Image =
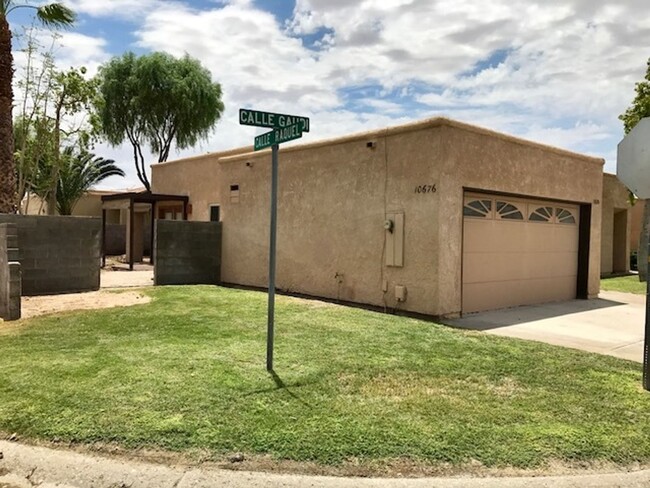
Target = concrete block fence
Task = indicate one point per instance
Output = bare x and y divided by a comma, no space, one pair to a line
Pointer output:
57,254
10,276
187,253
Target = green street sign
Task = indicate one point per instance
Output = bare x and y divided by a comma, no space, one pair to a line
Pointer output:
278,136
285,128
269,119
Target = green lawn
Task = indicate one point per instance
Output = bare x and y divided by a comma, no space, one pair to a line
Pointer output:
625,284
186,373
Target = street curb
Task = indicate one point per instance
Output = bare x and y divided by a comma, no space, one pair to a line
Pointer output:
53,468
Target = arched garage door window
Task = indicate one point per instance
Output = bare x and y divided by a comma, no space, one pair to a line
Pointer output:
509,211
478,208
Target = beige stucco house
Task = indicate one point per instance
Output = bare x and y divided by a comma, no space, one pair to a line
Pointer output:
436,217
617,223
89,205
637,225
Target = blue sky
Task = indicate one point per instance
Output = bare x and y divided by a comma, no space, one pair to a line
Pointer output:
555,72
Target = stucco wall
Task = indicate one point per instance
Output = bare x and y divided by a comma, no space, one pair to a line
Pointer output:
198,177
334,197
614,246
636,224
89,205
333,201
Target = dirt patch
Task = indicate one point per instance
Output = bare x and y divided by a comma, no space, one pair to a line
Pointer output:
34,306
408,468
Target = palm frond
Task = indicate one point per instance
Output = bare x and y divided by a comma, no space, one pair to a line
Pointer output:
4,7
77,174
55,15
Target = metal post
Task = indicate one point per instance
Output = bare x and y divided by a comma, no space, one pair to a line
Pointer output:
131,230
103,237
273,235
646,342
153,228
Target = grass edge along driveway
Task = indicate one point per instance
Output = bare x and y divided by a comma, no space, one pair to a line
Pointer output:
624,284
186,373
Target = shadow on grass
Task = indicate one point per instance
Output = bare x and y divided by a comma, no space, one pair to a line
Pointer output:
281,385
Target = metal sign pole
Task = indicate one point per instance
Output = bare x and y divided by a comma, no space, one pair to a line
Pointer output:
273,236
646,341
284,128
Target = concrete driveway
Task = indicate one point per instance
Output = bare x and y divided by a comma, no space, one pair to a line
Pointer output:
613,324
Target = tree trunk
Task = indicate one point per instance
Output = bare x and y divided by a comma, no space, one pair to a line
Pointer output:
7,167
642,254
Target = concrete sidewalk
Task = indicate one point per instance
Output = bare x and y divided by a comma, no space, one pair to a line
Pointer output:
26,467
613,324
126,279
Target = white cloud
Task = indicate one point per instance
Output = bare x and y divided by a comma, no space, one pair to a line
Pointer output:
118,8
80,50
566,71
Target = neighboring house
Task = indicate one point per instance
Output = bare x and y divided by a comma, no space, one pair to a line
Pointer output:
616,226
437,217
636,225
89,205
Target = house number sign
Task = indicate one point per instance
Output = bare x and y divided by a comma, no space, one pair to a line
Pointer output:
426,189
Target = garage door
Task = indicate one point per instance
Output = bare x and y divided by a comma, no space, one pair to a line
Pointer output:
517,252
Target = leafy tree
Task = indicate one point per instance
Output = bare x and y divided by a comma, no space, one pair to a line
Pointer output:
35,151
157,100
78,172
72,94
53,108
52,15
33,129
639,109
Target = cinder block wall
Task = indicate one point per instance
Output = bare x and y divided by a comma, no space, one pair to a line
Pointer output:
9,273
115,242
187,253
57,254
116,239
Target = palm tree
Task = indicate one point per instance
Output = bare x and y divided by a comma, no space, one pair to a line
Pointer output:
77,174
50,15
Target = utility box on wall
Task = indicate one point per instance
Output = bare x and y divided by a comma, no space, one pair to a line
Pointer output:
394,225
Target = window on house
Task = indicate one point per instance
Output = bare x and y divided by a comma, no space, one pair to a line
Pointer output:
541,214
564,216
234,193
477,208
214,213
508,211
